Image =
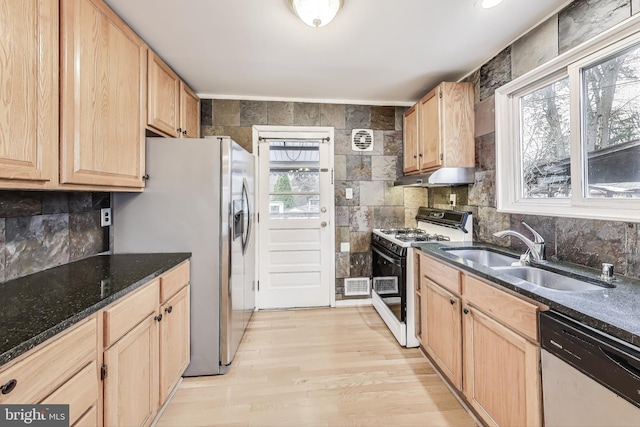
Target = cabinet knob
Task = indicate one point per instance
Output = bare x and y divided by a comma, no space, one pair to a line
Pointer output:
415,157
158,318
9,386
465,311
179,130
452,301
184,132
420,154
169,309
145,176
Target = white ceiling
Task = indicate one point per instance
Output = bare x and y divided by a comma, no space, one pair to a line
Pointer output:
385,52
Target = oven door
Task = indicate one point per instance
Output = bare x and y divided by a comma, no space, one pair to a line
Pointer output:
389,280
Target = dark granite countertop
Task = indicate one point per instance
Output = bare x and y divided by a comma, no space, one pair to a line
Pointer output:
612,310
36,307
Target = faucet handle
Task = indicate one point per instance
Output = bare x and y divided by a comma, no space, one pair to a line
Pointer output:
537,237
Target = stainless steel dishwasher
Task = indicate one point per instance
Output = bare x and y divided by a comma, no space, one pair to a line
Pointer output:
589,378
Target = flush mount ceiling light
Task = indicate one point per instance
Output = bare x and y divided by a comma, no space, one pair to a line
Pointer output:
490,3
316,13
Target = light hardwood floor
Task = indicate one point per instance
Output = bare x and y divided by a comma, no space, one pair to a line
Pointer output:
325,367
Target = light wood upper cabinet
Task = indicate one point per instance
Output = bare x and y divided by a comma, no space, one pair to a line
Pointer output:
410,134
29,82
445,121
103,77
163,97
430,149
174,109
189,112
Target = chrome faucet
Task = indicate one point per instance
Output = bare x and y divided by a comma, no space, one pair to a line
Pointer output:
536,248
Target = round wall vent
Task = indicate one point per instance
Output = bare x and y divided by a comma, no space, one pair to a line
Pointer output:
362,140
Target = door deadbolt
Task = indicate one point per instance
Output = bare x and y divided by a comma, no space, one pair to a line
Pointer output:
323,210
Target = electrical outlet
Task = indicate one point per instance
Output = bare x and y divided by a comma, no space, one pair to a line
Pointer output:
453,198
105,217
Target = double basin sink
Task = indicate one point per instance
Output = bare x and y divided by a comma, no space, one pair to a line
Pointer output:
536,275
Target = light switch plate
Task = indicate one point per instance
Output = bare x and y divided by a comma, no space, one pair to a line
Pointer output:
348,193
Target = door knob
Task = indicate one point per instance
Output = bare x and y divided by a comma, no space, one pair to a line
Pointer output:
323,210
323,224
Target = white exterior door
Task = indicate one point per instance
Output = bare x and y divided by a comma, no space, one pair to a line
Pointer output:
296,216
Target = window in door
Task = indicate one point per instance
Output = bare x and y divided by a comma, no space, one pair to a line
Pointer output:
294,179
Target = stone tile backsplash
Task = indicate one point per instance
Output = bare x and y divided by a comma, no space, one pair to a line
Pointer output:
376,202
583,241
40,230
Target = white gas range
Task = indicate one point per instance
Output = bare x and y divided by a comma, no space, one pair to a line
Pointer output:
393,265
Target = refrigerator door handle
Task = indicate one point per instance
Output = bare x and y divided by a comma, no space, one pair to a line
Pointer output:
247,217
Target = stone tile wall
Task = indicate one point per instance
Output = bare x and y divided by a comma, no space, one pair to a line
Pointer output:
375,204
40,230
583,241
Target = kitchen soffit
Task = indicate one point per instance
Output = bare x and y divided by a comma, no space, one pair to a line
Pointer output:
374,52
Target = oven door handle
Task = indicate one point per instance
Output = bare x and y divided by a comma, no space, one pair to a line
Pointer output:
394,261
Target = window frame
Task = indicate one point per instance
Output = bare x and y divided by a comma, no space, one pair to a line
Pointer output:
509,187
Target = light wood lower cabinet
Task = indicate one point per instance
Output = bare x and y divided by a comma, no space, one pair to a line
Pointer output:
131,384
174,341
502,381
484,340
81,393
116,367
444,339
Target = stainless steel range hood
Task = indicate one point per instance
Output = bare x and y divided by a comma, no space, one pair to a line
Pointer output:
443,177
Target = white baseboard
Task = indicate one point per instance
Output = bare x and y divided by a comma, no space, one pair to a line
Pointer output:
353,302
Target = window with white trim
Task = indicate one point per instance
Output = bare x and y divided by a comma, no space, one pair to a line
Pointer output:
568,132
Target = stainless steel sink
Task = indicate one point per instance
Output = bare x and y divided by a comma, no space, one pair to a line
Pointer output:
549,279
483,257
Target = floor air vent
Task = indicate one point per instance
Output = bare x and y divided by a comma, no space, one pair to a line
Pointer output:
356,286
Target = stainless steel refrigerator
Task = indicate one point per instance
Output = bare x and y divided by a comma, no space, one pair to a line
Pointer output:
199,198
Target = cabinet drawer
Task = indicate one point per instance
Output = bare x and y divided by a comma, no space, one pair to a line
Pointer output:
51,365
173,280
442,274
512,311
80,392
125,315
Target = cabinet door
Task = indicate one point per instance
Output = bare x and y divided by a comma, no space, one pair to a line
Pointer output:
174,341
103,85
411,140
131,385
29,82
444,331
430,150
457,119
189,112
163,97
81,394
502,382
